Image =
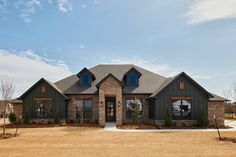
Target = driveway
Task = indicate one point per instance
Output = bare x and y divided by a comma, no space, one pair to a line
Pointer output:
1,121
112,127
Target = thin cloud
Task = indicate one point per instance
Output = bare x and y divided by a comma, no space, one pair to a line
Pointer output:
162,69
27,8
24,68
208,10
64,5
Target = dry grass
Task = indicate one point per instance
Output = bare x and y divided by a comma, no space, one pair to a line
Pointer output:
87,142
230,116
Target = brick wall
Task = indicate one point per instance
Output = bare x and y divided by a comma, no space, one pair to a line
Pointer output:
216,108
71,106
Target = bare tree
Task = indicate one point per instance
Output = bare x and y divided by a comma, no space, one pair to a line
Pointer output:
6,92
228,95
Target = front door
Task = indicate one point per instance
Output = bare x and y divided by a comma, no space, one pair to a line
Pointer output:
110,109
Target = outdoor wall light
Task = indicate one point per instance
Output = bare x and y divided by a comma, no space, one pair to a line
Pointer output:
119,103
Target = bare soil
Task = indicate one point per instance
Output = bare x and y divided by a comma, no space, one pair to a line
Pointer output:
70,141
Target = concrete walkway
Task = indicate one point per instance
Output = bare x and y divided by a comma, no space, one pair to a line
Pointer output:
112,127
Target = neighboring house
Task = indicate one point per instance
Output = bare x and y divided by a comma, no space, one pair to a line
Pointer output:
105,93
9,108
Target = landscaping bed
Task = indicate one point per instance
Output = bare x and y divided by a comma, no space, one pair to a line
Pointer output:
33,125
152,126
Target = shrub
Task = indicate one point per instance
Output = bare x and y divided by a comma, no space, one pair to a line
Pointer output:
202,119
12,118
168,119
136,113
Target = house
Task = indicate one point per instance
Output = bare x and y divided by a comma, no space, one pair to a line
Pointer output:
105,93
9,108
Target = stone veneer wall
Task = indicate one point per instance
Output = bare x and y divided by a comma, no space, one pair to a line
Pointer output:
71,107
143,98
216,108
110,87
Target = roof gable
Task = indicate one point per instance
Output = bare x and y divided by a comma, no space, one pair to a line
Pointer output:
105,78
37,83
135,70
169,81
86,70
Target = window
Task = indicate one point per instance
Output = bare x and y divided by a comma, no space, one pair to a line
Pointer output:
85,80
79,109
131,106
181,85
88,109
133,79
43,109
181,110
84,106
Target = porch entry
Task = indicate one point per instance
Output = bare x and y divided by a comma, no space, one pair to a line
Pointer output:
110,103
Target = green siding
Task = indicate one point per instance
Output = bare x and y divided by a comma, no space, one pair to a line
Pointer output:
58,102
163,99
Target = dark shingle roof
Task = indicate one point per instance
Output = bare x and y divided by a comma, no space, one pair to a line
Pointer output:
217,98
148,82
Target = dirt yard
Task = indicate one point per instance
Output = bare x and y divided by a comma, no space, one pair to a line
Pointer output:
88,142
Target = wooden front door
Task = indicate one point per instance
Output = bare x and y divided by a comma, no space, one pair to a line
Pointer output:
110,109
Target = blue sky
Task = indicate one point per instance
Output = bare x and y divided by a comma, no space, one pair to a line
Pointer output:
55,38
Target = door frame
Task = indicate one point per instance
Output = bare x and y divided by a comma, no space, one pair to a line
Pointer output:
110,98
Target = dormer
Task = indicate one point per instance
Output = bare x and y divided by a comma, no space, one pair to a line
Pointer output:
86,77
131,78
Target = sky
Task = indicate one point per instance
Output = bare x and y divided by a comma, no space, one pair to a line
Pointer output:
56,38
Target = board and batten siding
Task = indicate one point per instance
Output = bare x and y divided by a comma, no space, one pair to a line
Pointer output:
58,101
163,99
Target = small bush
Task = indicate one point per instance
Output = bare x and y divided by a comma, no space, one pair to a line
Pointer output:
202,119
12,118
168,119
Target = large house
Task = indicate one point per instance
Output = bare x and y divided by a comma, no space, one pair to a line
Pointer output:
106,93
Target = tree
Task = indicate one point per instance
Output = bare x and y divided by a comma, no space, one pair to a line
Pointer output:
135,111
6,92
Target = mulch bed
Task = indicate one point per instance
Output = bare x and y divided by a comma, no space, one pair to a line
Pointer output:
151,126
52,125
137,126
